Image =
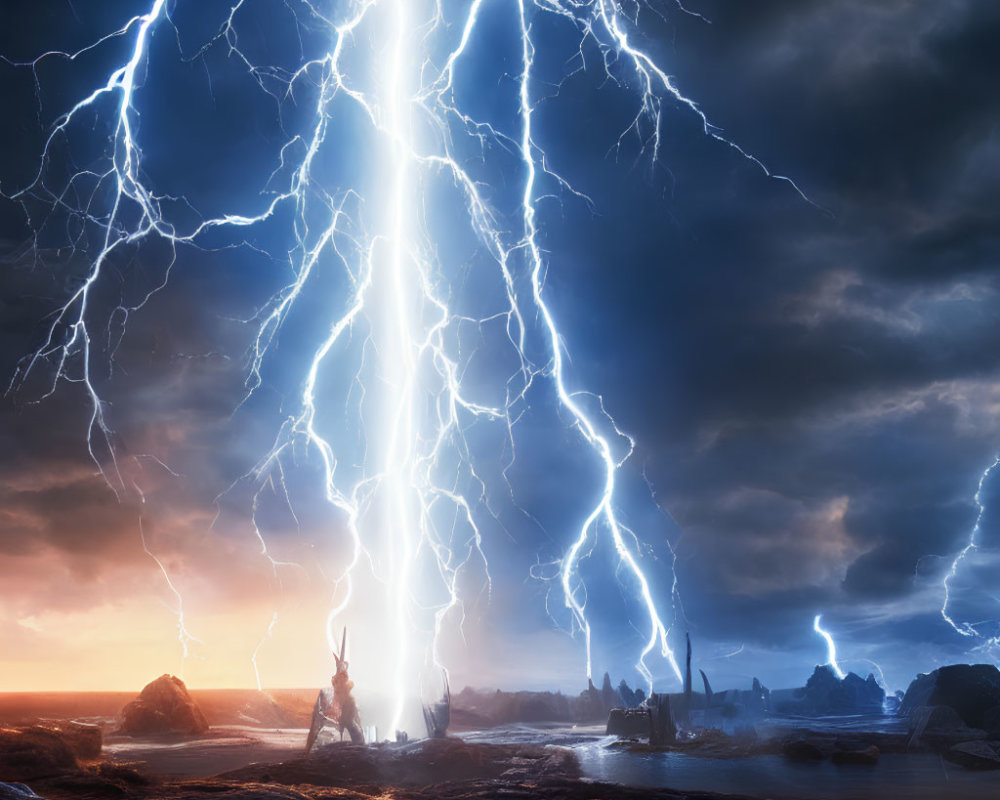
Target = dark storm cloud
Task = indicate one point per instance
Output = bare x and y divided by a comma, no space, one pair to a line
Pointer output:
814,394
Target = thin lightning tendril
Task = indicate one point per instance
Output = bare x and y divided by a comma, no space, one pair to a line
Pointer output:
965,628
397,305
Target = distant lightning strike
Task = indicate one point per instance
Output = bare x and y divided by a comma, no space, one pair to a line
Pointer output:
408,393
965,628
831,648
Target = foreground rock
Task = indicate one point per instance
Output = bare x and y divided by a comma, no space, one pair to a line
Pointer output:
975,755
163,706
35,752
971,690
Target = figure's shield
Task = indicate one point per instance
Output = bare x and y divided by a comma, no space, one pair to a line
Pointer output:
323,701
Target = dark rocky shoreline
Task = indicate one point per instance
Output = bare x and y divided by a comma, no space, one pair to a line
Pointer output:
445,768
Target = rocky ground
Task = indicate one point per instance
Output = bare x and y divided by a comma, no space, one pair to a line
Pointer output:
166,747
449,769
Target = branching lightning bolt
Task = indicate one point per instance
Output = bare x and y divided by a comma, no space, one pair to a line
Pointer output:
408,394
965,628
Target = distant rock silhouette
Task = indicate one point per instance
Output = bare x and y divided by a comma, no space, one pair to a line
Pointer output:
825,693
629,698
163,706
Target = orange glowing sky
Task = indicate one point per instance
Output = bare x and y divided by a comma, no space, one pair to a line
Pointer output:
83,607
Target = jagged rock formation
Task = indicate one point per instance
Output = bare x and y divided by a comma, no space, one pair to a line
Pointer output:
609,697
163,706
629,698
825,693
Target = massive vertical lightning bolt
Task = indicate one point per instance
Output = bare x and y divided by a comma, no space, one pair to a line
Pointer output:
831,648
399,467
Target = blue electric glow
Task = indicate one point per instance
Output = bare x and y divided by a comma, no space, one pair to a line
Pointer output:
394,329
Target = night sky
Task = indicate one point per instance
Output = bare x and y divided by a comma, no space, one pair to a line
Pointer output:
812,383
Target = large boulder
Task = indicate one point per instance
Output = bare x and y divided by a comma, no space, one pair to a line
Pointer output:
629,723
163,706
971,690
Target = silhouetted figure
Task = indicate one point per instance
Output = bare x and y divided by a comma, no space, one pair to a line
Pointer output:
345,710
337,705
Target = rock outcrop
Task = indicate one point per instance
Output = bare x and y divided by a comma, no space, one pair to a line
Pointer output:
36,752
630,699
163,706
825,693
972,690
